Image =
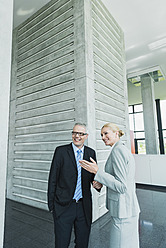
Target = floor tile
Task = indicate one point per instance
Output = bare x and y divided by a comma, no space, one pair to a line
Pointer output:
28,227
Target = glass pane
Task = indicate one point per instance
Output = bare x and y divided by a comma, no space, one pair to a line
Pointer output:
131,122
140,135
165,144
130,109
141,147
138,108
163,113
164,134
139,123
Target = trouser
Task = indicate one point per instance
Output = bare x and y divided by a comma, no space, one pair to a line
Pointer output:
74,215
124,232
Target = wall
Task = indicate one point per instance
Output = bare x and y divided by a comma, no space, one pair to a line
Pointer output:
68,66
47,56
150,169
6,14
111,100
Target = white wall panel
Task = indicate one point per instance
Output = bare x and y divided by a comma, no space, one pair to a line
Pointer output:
150,169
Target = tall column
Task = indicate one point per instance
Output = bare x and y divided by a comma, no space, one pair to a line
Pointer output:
149,113
6,17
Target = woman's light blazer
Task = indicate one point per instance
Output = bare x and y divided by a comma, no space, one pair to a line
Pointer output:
119,177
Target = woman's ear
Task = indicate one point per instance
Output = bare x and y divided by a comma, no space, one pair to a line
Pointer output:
117,133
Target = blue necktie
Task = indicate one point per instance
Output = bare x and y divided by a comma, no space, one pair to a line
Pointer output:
78,190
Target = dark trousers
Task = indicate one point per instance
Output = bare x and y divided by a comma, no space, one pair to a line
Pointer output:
74,215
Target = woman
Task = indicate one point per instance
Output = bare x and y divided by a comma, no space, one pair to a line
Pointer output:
119,177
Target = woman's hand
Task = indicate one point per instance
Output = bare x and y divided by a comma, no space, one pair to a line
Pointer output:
89,166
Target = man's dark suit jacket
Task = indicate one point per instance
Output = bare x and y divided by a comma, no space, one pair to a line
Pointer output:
63,179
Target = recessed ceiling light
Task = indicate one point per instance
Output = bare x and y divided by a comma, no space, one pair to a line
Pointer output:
22,12
157,44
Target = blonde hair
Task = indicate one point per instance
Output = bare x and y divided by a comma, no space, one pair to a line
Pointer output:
114,128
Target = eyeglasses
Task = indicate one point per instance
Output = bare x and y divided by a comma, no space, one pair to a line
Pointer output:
79,134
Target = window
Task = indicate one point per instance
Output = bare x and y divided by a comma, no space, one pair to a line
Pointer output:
137,125
141,146
163,113
163,118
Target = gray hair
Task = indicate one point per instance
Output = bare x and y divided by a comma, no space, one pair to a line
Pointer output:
80,124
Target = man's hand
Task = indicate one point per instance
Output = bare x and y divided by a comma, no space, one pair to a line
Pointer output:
97,185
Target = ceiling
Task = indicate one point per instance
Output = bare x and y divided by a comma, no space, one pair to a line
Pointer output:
143,23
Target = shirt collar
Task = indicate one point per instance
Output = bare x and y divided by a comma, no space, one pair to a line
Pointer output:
75,148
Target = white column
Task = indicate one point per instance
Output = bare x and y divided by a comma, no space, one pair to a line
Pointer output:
6,22
149,113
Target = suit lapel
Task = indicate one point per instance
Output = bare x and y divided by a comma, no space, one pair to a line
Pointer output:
71,155
85,157
116,144
108,165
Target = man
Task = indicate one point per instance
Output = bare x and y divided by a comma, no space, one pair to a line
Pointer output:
69,194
